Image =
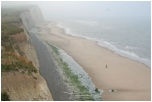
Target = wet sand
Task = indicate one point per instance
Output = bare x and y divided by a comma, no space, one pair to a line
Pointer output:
130,80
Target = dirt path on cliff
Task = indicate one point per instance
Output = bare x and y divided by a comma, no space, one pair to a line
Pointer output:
49,71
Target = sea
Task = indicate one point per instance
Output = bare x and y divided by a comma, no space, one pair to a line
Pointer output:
127,37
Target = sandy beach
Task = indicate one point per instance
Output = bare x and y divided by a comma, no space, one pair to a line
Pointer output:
129,79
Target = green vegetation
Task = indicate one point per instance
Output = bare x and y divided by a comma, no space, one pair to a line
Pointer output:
12,61
81,90
4,96
10,28
55,49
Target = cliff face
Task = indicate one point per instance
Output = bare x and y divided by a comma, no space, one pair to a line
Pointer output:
29,50
19,84
32,17
22,87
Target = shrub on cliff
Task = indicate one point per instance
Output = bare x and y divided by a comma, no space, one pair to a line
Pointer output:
13,61
4,96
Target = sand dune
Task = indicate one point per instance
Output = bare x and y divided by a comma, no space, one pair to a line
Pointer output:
131,80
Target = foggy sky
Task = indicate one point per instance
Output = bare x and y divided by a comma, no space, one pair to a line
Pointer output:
91,9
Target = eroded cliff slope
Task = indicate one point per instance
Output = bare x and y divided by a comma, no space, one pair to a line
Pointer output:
20,77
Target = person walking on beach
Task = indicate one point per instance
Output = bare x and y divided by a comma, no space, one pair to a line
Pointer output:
106,66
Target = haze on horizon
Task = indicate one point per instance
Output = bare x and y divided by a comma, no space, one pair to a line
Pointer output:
90,9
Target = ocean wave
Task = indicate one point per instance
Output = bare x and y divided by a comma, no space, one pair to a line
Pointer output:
115,49
67,30
90,23
129,47
110,46
128,54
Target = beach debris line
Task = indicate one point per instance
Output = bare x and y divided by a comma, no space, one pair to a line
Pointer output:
112,90
96,90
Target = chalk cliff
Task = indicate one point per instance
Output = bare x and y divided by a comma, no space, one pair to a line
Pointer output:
32,17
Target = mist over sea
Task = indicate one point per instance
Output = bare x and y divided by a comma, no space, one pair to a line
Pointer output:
128,37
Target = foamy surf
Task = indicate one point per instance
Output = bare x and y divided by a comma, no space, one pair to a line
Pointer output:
101,42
